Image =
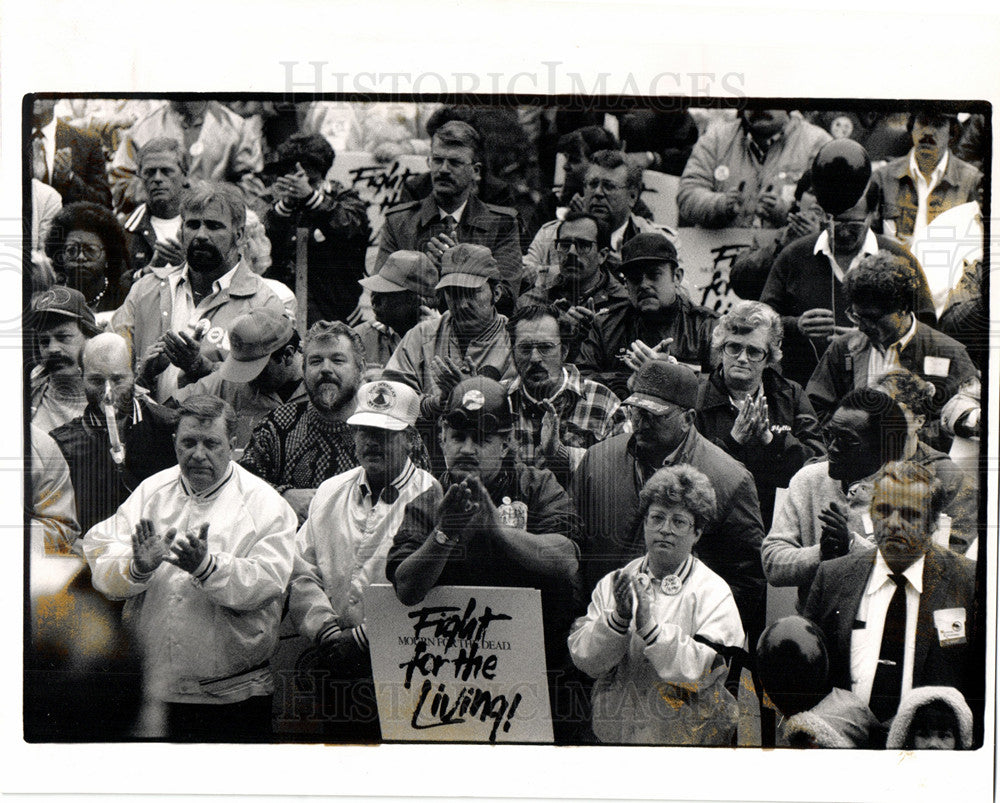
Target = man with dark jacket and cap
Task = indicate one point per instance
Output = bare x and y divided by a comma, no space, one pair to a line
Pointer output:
492,522
658,319
606,489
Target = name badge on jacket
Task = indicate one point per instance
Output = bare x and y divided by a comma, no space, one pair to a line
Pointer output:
950,624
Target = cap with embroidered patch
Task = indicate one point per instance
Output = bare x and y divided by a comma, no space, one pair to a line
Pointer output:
62,302
479,403
386,405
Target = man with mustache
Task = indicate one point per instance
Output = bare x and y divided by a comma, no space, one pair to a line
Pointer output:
102,478
453,213
557,413
904,613
930,179
494,522
302,443
342,549
62,323
657,320
178,320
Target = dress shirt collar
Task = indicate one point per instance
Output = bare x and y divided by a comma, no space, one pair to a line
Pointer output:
904,340
457,214
881,571
936,174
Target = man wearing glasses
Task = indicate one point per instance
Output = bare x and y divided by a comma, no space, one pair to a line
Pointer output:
558,415
607,483
880,294
453,213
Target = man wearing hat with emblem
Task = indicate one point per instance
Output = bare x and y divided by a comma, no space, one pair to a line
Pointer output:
62,323
435,355
262,371
606,489
342,547
658,319
402,295
493,522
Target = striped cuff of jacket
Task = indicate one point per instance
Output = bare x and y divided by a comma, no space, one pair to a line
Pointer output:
651,633
360,636
206,569
327,632
135,576
616,623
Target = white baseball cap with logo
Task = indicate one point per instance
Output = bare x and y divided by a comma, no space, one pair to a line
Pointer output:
386,405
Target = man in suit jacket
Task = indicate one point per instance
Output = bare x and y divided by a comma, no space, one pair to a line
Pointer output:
452,213
850,601
69,160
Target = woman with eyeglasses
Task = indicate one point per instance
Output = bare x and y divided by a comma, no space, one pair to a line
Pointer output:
749,409
659,631
87,247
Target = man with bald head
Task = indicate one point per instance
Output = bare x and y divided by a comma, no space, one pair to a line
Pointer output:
122,438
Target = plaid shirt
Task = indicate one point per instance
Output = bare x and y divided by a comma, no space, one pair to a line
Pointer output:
588,413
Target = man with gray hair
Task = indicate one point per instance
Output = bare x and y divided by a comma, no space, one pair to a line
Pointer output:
302,443
154,227
178,321
453,213
203,553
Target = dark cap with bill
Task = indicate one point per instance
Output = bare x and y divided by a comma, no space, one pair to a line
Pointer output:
648,248
62,302
404,270
661,383
253,338
468,265
479,403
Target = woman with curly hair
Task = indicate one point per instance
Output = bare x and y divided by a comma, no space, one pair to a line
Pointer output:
658,631
87,247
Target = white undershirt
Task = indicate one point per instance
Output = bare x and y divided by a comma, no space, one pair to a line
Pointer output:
166,228
866,642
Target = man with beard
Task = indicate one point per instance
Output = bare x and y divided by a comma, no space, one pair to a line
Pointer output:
302,443
471,336
154,227
584,287
402,295
62,323
557,413
262,372
106,466
657,320
178,320
744,171
606,489
806,284
453,214
825,513
342,548
499,523
929,180
611,190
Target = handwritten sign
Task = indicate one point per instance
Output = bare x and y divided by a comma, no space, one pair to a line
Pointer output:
465,665
707,255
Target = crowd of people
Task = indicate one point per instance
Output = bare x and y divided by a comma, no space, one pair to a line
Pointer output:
508,384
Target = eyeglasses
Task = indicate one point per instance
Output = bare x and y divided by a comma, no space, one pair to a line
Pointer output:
454,164
563,244
754,354
545,348
845,437
89,252
872,319
639,415
678,524
595,184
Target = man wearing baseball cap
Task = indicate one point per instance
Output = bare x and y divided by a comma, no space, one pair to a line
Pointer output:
402,295
658,319
62,323
262,371
435,355
606,489
341,550
496,523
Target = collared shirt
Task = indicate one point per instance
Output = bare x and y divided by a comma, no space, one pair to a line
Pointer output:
49,141
457,214
184,316
924,190
883,360
823,247
617,236
866,642
588,412
166,228
341,549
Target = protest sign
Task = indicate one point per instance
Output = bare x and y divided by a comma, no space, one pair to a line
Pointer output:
467,664
707,255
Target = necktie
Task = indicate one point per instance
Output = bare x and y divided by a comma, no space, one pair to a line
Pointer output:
450,224
888,681
39,164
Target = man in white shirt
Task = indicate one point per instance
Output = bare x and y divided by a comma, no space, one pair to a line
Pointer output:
154,227
902,615
69,160
342,547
